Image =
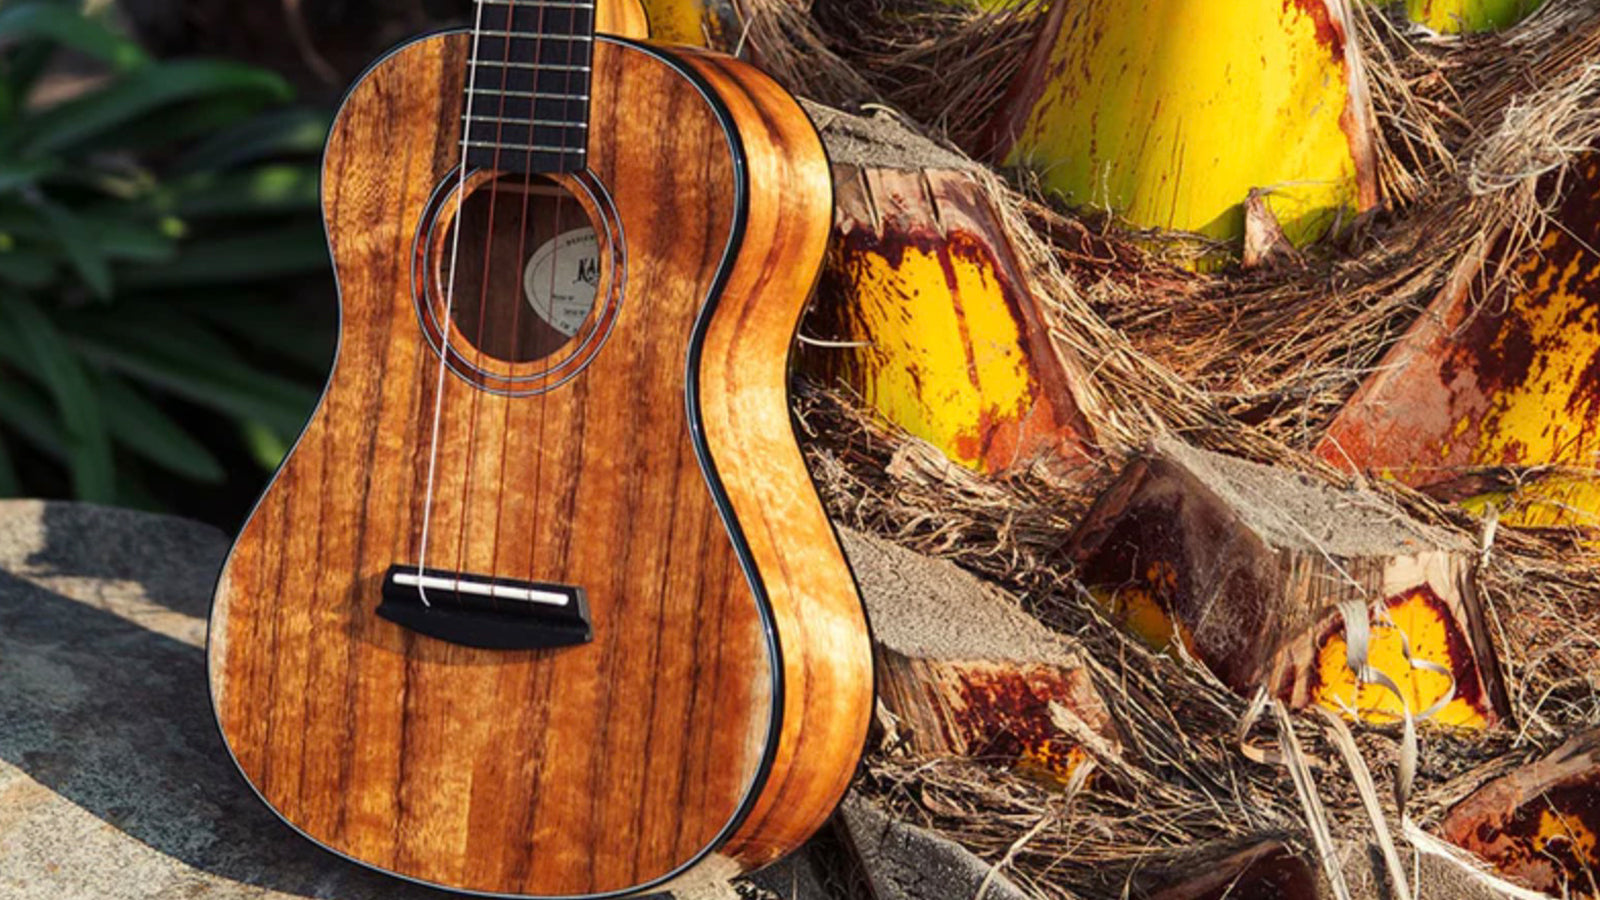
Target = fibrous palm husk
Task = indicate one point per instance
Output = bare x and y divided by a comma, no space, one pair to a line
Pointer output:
1252,363
943,63
1181,781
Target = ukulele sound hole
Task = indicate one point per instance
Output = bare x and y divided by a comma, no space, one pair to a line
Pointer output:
527,270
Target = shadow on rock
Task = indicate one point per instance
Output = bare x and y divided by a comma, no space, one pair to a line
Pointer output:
110,713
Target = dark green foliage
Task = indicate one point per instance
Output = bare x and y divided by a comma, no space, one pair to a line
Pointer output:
143,219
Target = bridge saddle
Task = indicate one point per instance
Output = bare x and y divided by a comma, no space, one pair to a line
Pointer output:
484,612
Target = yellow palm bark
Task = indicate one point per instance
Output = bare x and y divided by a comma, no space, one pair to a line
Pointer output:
697,23
935,329
1469,16
1168,112
1510,380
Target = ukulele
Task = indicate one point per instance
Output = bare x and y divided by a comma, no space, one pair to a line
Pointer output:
543,602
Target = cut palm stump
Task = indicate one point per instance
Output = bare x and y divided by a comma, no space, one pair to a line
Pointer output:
1469,16
1245,567
963,671
1541,823
924,312
1140,110
1480,389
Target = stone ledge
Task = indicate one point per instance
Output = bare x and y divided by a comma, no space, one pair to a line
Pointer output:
114,783
113,780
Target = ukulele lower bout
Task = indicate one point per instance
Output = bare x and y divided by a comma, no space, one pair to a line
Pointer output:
552,609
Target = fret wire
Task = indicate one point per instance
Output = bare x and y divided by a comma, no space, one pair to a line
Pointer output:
535,4
539,67
536,148
534,36
469,117
576,30
535,95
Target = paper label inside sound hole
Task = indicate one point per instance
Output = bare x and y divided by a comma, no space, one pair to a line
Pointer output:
562,278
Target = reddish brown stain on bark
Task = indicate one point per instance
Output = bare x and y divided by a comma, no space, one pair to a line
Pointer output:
1007,717
995,438
1548,840
1330,33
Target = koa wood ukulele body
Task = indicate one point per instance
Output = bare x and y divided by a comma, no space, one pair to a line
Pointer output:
543,602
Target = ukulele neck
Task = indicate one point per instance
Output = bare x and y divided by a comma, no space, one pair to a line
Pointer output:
527,104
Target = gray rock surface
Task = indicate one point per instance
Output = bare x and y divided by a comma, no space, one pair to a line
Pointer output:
114,783
878,140
822,870
113,780
1295,509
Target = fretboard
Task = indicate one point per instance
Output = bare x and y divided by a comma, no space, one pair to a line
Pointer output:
528,85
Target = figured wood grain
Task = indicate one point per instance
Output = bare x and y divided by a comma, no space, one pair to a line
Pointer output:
584,770
623,18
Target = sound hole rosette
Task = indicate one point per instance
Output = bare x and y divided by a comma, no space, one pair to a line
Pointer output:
431,269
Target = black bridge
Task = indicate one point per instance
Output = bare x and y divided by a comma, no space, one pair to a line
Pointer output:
490,613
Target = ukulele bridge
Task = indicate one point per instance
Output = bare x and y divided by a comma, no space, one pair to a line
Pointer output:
484,612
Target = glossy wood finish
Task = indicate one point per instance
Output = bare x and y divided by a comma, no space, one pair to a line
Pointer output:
827,657
677,735
623,18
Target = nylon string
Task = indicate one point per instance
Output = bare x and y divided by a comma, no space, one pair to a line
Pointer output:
488,267
516,309
446,325
555,253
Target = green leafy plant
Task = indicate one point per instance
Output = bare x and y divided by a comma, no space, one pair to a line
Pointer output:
150,213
